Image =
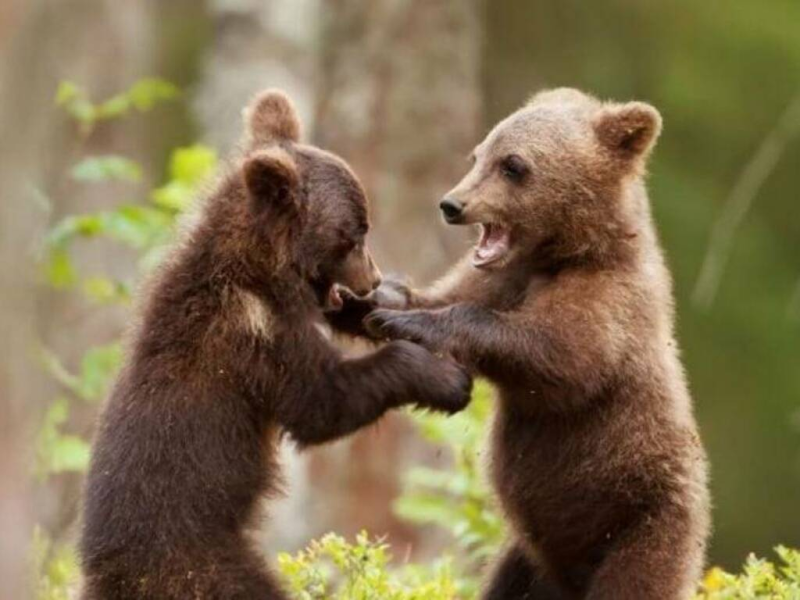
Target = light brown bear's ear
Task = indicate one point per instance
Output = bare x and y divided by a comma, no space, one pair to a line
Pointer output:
271,117
628,130
562,95
272,180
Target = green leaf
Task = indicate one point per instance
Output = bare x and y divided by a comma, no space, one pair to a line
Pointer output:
59,270
142,95
146,93
189,167
141,227
192,164
104,168
69,453
426,508
56,414
115,107
77,225
103,290
74,99
98,366
176,196
67,92
56,452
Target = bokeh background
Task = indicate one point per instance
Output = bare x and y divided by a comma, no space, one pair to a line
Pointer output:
403,89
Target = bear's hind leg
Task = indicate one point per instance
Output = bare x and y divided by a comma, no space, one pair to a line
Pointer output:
659,559
515,577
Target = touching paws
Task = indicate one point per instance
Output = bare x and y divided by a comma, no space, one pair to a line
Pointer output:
385,324
391,293
349,318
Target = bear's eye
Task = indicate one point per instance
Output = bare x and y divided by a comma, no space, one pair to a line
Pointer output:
346,243
514,168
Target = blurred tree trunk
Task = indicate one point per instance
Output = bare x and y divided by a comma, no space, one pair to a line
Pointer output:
397,96
105,46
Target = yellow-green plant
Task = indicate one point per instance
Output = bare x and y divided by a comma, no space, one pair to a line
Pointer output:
55,567
458,498
760,579
334,569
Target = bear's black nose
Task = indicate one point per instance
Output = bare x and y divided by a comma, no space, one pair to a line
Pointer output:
451,209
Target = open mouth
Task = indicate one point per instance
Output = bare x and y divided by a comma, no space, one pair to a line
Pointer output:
494,244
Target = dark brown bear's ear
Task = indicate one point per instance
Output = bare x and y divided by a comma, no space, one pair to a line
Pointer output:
272,180
628,130
270,118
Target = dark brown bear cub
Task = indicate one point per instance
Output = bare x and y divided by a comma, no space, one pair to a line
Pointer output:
228,358
566,305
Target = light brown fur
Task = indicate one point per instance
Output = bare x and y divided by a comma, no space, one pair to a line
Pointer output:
596,458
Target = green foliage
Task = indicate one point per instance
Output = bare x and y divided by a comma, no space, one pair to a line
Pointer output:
104,168
59,270
760,579
333,569
98,366
55,568
457,499
142,96
103,290
188,168
144,227
57,452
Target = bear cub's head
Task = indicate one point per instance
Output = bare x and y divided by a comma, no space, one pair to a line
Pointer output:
308,202
548,182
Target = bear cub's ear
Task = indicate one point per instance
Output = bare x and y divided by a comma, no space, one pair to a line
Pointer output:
629,130
272,179
271,117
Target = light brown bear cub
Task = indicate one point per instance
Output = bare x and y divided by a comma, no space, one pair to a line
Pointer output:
566,305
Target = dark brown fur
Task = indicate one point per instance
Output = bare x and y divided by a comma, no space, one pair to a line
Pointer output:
595,454
228,358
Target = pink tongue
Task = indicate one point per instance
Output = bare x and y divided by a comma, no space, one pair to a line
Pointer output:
493,245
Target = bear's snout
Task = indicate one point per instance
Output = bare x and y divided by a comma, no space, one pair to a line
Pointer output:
452,209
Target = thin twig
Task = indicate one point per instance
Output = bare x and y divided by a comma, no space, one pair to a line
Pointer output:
744,192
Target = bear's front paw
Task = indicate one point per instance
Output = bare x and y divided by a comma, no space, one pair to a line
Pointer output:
453,388
349,317
392,293
384,324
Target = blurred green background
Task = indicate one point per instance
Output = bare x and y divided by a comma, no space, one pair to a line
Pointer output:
403,89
